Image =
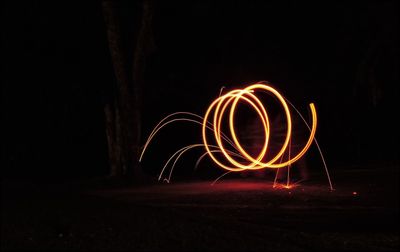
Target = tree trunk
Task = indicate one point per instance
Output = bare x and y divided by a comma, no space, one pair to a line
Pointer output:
123,116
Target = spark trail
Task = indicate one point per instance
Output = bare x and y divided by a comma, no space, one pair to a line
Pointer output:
212,123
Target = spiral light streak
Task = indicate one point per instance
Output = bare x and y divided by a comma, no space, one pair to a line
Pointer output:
225,106
247,95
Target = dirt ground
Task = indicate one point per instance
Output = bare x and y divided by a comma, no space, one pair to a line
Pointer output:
362,213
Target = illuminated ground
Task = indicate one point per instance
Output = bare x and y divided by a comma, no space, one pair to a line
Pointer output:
237,214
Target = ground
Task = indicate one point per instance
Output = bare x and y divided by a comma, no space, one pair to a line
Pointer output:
233,214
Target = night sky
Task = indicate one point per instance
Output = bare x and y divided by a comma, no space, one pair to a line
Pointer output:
57,75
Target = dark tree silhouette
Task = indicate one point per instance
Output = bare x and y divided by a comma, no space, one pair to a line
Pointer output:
130,42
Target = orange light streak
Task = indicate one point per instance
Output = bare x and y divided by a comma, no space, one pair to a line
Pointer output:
225,105
217,110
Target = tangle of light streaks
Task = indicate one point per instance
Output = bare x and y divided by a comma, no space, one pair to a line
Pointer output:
228,102
254,164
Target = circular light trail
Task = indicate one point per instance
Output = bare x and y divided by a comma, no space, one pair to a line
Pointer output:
224,107
228,103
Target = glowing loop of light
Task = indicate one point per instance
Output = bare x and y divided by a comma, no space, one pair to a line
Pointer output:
221,105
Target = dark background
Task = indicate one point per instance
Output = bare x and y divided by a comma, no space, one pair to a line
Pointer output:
57,76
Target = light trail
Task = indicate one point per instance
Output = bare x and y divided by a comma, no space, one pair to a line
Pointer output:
254,164
227,104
